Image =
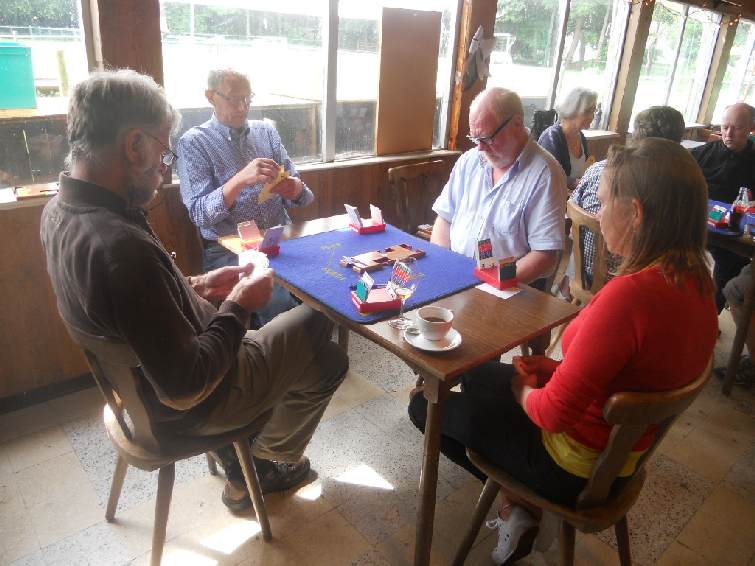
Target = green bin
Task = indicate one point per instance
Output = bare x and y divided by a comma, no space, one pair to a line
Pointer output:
17,84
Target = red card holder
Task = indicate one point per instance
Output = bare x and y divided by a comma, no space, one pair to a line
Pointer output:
379,299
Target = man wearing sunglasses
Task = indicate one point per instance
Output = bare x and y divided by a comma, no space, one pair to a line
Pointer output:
225,162
507,188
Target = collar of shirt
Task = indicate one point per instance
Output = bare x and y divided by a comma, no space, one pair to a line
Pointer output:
77,192
510,172
231,134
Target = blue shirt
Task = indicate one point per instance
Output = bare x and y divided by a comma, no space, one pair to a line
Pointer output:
209,155
523,211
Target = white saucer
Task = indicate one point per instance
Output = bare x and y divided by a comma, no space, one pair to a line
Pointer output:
450,342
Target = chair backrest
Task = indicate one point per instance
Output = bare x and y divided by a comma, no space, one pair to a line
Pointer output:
541,121
630,415
414,189
583,287
118,374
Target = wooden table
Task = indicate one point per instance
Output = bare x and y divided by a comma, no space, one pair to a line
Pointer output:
744,246
489,327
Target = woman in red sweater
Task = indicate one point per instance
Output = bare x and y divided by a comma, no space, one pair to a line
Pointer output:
652,328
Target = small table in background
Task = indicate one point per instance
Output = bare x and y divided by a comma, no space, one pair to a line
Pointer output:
744,246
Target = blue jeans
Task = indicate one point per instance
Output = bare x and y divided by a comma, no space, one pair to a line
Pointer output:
215,256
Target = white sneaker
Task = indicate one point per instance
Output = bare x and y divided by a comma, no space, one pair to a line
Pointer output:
515,536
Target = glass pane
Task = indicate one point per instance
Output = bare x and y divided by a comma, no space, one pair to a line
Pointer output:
694,62
739,79
359,67
279,46
43,55
595,34
660,53
677,58
524,57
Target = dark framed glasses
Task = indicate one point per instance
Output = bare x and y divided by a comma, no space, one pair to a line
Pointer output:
487,140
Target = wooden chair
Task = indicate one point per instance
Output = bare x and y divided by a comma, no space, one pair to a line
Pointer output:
414,189
581,288
138,441
598,506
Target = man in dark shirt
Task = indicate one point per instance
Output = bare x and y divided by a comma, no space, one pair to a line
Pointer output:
204,373
728,164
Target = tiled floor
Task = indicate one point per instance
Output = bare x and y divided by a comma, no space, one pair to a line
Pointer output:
698,506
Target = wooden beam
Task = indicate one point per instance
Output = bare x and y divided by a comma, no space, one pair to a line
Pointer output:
629,68
474,13
717,69
735,8
127,35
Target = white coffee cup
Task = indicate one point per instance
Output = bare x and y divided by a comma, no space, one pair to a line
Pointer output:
434,323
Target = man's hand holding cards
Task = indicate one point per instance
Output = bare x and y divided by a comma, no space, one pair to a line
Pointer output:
284,185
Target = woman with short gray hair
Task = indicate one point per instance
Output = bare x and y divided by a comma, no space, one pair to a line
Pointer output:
565,140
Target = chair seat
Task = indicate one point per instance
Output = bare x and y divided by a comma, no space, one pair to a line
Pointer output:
174,447
589,520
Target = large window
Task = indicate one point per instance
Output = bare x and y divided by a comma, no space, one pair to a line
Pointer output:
359,67
42,55
282,47
677,58
739,80
527,50
595,34
524,58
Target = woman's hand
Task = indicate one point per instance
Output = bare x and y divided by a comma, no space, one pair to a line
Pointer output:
521,386
542,367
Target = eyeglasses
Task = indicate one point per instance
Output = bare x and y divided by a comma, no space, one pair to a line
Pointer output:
487,140
168,156
236,100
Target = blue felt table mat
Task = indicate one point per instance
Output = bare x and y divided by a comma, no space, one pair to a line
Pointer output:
311,263
748,219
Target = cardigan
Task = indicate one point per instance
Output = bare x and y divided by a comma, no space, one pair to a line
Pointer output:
554,140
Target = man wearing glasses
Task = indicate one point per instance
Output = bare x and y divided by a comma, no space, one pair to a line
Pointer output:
224,164
202,372
507,189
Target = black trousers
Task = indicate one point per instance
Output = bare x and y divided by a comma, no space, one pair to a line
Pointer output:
727,266
486,417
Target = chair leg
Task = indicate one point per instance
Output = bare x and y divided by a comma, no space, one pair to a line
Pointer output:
253,485
165,478
343,337
212,465
566,544
121,466
622,538
481,510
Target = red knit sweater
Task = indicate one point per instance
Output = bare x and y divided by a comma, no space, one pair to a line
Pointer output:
639,333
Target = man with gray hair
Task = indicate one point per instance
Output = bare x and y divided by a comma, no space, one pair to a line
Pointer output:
728,164
204,374
654,122
507,189
225,162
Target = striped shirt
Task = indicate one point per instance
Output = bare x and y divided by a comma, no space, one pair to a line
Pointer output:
210,154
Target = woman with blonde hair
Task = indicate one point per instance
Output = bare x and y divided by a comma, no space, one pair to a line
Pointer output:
541,420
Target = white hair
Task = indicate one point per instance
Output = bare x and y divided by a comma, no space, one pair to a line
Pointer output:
576,102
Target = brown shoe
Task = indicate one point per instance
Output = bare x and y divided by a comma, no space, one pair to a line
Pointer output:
235,496
273,475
